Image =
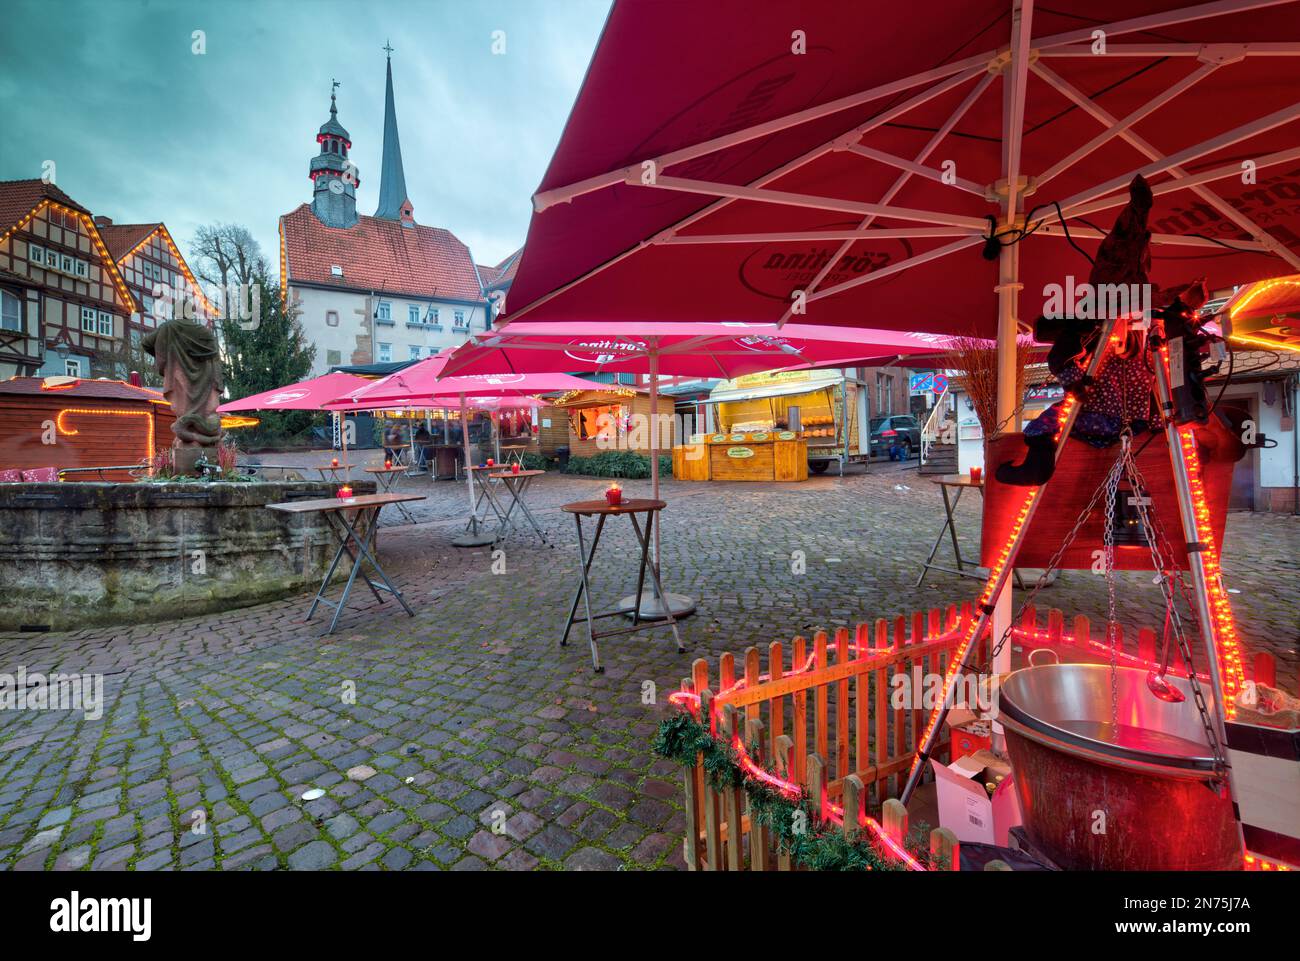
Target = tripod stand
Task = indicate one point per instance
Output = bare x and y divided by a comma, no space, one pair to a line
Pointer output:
1177,380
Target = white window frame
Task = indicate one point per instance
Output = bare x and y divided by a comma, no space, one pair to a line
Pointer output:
81,268
458,320
5,297
105,324
89,314
385,355
414,351
65,263
72,366
412,313
384,311
36,254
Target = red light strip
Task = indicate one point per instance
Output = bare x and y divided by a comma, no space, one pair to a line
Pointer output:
1232,674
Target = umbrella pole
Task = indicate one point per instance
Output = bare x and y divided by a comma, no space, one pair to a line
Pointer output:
472,537
648,606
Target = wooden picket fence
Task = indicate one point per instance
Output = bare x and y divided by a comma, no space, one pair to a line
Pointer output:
830,729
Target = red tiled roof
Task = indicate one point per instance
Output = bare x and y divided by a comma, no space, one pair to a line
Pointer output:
103,389
379,255
18,197
121,239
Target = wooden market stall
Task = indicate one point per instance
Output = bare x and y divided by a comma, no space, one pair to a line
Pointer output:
601,419
68,422
777,426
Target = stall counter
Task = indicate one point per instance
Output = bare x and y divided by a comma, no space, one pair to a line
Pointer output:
780,455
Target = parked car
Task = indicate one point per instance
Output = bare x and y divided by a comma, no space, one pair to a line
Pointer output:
898,437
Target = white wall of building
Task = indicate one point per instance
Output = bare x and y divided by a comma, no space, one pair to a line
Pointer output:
354,339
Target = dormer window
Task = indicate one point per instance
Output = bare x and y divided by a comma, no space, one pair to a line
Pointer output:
336,270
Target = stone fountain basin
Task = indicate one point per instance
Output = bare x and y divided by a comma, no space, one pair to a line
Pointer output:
75,555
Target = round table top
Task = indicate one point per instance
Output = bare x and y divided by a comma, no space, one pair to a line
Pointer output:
484,466
629,505
386,470
502,475
957,480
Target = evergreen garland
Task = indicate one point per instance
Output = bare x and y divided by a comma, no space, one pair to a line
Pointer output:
820,846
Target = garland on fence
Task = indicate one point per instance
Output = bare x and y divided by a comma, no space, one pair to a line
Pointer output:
821,846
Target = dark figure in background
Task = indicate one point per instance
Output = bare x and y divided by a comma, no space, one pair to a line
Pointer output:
423,441
393,442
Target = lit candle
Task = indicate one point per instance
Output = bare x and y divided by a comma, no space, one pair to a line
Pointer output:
491,462
388,465
345,492
334,462
614,495
976,474
514,468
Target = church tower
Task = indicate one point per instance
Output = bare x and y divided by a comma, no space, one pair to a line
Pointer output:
334,177
393,202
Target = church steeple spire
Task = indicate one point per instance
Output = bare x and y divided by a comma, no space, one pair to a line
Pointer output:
393,202
334,177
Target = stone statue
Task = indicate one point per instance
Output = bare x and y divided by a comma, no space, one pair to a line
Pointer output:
189,363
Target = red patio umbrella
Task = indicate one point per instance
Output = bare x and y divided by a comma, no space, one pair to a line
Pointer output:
864,170
311,394
724,350
422,385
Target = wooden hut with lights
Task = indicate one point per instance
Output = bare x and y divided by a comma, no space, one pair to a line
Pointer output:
66,423
600,419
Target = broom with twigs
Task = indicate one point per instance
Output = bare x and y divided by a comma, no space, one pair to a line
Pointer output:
977,359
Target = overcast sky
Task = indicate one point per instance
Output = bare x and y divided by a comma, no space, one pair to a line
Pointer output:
142,129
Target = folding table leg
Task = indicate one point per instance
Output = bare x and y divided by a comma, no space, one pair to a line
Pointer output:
367,553
341,529
659,591
352,576
584,591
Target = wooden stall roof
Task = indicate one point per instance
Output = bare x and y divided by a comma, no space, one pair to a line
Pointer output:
596,397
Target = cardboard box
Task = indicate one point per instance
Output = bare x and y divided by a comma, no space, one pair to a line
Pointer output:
969,733
965,807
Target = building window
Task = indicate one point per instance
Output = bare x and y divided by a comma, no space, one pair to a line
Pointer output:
333,358
412,314
35,254
89,322
385,312
336,270
11,317
105,324
414,352
458,318
385,353
83,268
65,263
432,316
332,318
72,367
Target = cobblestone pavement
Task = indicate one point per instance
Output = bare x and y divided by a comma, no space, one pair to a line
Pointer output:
469,714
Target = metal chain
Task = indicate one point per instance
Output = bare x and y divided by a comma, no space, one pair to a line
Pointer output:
1153,532
1108,559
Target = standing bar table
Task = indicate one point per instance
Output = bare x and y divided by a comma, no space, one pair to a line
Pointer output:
331,472
386,477
516,484
345,516
959,482
602,510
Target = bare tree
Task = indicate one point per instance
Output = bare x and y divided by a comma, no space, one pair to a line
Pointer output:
224,254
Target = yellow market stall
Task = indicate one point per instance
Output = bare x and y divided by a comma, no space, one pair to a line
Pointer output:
778,425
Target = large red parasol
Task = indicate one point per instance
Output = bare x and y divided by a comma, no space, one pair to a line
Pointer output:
857,151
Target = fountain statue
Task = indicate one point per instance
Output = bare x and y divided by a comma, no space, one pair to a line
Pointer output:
189,363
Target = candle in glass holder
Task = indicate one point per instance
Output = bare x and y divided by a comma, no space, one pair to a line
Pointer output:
976,474
614,495
388,465
334,462
514,468
491,462
345,492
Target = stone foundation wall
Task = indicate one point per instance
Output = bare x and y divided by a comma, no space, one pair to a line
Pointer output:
74,555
